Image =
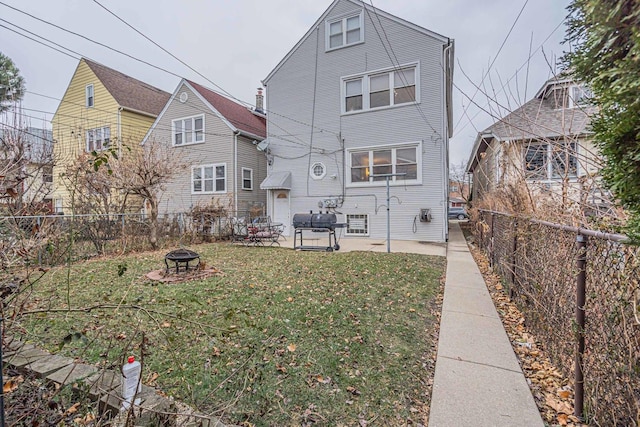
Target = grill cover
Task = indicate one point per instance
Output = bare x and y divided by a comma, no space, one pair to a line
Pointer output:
314,220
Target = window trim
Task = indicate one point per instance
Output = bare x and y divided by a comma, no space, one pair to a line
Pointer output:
102,140
367,224
573,103
549,176
312,171
201,167
88,97
183,133
393,182
250,179
366,89
343,19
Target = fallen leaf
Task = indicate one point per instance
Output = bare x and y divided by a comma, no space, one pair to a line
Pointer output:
291,347
12,384
564,394
73,408
563,419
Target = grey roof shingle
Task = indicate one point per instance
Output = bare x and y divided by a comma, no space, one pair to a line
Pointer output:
130,93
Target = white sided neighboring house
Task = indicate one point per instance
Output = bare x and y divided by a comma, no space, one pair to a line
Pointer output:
216,137
362,94
546,144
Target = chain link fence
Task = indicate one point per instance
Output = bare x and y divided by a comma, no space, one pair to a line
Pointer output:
47,240
546,268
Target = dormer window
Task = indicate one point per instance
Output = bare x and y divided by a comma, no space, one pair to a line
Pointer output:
579,95
345,31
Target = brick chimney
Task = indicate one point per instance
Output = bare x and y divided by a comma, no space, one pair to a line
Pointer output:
259,101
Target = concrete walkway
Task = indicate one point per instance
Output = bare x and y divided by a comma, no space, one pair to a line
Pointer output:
478,381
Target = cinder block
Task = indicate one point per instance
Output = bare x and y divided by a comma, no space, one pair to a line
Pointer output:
102,383
25,356
48,365
72,373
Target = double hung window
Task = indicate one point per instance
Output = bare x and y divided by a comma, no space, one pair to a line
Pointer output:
208,179
189,130
381,89
344,31
98,139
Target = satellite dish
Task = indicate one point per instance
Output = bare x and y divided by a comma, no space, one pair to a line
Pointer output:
262,146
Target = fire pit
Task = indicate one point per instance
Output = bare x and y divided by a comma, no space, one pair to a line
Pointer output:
181,259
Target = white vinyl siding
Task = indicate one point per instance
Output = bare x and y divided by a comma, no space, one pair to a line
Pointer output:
366,162
98,139
345,31
188,130
209,179
372,91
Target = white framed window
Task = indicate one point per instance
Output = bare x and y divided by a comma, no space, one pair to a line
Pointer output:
209,179
579,95
188,130
47,173
57,206
344,31
318,170
357,224
88,95
247,179
98,139
380,89
551,161
364,163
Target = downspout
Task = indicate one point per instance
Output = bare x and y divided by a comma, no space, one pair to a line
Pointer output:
235,170
119,132
445,127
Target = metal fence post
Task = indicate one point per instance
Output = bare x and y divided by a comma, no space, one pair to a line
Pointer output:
581,280
491,240
514,259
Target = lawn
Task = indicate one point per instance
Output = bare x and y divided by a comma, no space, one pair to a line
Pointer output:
278,338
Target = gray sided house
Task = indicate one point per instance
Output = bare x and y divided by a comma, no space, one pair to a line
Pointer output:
546,143
362,94
216,137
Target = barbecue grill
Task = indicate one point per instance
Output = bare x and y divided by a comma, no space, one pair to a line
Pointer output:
316,223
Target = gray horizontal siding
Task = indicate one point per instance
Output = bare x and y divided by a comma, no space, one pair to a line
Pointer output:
307,87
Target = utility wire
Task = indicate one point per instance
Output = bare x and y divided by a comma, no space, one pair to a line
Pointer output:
494,59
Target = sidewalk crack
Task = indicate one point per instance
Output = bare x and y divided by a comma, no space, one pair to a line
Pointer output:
459,359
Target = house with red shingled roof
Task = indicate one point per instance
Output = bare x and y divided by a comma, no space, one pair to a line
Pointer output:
216,137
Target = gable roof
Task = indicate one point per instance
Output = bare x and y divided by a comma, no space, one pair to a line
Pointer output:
539,118
239,116
363,5
131,94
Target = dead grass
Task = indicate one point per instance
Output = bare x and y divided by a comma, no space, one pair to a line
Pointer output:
279,338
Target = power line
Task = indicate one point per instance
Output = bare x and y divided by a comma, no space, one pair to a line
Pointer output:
496,57
526,63
396,64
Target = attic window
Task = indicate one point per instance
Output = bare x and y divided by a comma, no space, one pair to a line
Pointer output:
579,95
344,31
88,92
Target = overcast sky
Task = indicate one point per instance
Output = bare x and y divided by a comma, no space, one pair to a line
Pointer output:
236,43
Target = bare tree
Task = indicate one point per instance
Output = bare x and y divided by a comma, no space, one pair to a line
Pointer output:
460,179
145,173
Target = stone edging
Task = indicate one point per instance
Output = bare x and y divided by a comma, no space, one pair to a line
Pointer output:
103,385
